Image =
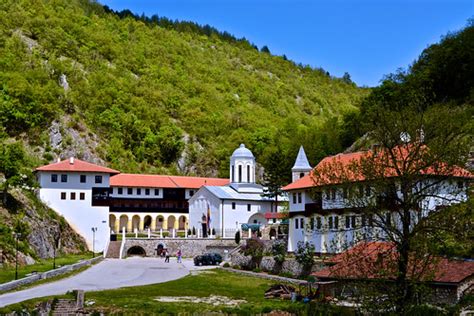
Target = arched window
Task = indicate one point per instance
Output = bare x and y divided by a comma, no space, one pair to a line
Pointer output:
240,173
301,175
248,173
232,176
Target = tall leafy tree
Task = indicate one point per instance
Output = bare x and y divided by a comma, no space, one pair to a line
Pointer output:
13,166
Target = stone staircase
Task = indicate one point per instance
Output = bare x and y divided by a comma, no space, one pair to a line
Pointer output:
65,307
114,249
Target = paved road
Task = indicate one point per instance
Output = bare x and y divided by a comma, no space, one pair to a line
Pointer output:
108,274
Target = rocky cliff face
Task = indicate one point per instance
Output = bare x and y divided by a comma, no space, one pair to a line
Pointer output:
40,227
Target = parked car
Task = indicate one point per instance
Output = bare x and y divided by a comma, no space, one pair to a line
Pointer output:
208,259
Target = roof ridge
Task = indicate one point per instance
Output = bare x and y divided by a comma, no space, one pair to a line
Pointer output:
172,180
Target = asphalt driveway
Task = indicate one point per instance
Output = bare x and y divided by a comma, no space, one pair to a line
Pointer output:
108,274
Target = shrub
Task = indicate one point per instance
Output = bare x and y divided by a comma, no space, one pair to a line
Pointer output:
258,270
304,255
236,266
254,248
237,237
279,251
226,265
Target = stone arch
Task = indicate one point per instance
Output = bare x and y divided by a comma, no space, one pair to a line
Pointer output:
160,248
171,220
257,218
123,222
159,222
182,222
135,222
112,222
136,251
273,233
147,222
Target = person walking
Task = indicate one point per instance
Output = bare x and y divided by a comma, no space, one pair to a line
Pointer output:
178,254
167,256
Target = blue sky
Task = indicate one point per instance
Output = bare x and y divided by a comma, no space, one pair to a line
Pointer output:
367,38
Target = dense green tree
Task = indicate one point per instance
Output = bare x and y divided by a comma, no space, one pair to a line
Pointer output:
13,166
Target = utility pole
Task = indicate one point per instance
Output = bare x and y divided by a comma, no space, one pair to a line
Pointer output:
17,236
94,229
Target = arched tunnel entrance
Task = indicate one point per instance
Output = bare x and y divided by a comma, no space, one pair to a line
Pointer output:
136,251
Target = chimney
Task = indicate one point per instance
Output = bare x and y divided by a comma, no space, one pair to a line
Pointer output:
71,160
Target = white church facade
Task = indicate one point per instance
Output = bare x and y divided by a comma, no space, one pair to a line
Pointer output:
224,209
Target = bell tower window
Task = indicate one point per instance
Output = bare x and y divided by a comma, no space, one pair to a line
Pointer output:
240,174
248,173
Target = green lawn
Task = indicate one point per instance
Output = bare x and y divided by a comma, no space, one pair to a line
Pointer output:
8,273
140,300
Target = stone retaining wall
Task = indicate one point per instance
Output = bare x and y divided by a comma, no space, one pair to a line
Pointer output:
290,265
48,274
190,247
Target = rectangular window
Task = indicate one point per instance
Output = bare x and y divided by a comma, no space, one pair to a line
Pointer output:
348,221
191,192
119,190
294,198
98,179
299,197
388,220
64,178
331,222
296,223
83,178
345,193
63,195
139,191
367,190
147,191
336,222
364,220
460,185
82,196
318,223
311,223
361,191
302,222
233,205
249,207
353,221
73,195
54,178
157,191
333,194
129,191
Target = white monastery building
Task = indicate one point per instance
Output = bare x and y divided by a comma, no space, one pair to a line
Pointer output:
68,187
94,197
326,215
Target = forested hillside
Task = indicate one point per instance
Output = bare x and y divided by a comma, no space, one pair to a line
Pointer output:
76,78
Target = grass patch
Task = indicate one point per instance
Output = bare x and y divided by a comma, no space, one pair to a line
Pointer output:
7,274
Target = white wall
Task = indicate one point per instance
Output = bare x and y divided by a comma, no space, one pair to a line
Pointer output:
80,214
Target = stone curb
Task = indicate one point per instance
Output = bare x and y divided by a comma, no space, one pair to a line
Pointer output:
266,276
48,274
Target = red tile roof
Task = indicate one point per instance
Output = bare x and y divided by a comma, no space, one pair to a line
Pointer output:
270,215
76,166
377,260
162,181
338,168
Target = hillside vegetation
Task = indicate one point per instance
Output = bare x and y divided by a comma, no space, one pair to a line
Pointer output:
158,99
